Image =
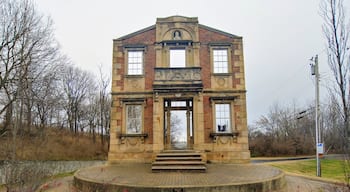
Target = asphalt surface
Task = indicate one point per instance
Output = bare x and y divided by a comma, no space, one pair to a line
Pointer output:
279,159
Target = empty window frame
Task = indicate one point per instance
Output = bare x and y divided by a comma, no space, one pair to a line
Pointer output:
135,62
220,60
134,119
223,118
177,58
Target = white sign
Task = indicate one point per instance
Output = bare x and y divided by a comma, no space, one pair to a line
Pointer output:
320,148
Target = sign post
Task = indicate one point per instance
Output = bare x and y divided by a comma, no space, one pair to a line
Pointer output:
320,148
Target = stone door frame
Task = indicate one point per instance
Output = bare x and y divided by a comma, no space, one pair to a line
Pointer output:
189,121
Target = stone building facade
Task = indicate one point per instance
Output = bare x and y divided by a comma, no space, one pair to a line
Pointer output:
178,85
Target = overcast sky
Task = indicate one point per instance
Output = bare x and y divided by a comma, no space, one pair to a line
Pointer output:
279,36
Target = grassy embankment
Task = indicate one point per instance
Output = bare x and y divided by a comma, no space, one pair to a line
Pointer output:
54,145
331,169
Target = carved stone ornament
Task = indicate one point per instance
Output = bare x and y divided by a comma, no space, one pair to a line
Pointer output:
221,81
177,35
132,141
178,75
224,140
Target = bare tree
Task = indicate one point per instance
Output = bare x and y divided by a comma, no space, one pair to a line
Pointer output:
92,116
332,123
336,29
104,105
45,97
175,127
77,85
282,132
27,46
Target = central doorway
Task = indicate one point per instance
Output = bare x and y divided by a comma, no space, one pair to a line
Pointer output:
178,130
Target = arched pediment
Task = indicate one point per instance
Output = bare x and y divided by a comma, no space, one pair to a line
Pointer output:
177,28
177,34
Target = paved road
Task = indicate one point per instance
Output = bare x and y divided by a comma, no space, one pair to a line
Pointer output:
277,159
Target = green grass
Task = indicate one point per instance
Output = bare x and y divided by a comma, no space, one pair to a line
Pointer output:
330,169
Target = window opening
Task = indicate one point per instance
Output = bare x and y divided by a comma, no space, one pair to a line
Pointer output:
178,103
177,58
220,61
135,62
223,120
134,119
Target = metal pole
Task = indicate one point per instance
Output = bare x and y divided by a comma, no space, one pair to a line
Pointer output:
317,122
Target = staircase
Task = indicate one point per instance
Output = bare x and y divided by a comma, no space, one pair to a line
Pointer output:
179,161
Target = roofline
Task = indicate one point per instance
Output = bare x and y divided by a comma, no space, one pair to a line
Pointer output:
187,19
136,33
154,26
219,31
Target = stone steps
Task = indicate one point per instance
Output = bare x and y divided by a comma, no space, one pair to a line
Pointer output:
179,160
178,154
178,163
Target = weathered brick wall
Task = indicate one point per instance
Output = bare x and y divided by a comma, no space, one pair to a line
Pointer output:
157,41
150,61
207,37
147,38
204,58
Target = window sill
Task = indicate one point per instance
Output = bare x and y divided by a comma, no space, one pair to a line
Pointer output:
134,76
231,134
132,139
222,74
133,135
224,138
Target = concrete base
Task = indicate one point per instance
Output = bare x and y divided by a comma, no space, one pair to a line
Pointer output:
219,177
